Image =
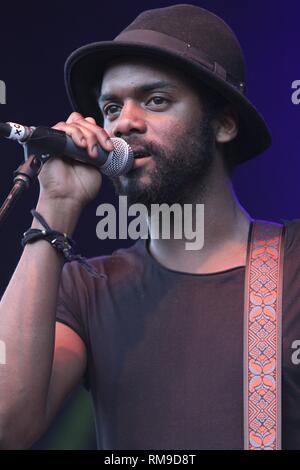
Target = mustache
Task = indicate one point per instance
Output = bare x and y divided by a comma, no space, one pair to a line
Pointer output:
147,146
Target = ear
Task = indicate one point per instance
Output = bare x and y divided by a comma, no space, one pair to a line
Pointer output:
226,125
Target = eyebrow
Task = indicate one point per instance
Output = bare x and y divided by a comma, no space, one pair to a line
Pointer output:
143,88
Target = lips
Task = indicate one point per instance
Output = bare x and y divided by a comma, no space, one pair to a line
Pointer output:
140,160
140,153
140,157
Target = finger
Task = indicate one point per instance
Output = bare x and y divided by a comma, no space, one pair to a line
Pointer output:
90,119
95,135
82,136
74,117
86,133
90,135
73,131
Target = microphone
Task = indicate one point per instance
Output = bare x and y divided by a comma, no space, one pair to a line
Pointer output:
54,142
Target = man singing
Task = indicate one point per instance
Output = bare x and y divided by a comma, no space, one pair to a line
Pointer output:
157,336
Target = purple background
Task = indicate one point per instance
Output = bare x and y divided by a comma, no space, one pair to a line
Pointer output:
35,42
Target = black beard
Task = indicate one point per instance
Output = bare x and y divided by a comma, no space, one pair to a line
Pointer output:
180,174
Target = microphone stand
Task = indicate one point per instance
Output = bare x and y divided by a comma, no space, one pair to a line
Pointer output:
24,176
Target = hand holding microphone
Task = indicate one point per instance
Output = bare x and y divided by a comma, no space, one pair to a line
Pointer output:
80,139
63,181
55,142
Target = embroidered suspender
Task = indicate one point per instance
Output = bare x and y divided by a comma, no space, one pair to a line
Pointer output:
262,337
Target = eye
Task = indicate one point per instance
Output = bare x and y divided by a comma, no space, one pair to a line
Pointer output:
111,110
158,101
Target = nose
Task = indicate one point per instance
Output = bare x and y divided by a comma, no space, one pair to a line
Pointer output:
130,120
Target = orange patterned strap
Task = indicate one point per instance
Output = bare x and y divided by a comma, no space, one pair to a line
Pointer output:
262,337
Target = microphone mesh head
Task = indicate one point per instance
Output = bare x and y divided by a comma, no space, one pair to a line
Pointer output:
120,160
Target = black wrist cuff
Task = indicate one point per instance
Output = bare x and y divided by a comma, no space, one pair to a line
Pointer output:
58,240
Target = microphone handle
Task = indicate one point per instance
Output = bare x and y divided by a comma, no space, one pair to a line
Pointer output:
5,130
80,154
57,142
49,141
14,131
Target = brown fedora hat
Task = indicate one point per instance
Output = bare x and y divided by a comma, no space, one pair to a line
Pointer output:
188,38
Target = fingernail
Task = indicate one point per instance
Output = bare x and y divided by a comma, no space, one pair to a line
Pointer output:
83,141
109,144
95,149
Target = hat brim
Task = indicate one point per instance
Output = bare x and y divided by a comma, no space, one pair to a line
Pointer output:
84,70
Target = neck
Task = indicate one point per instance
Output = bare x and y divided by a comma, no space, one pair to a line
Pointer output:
226,228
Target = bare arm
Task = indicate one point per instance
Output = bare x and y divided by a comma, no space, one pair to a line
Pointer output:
27,327
39,372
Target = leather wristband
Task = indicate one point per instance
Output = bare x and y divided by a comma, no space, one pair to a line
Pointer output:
60,241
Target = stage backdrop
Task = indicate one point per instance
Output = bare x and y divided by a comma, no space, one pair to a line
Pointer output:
36,38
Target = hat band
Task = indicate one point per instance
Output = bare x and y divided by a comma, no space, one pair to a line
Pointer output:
150,37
